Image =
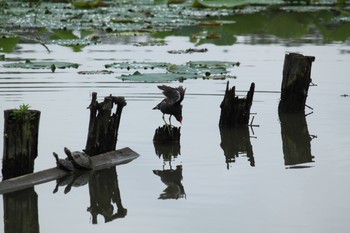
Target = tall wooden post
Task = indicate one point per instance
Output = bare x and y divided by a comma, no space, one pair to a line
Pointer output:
295,83
235,111
21,131
103,125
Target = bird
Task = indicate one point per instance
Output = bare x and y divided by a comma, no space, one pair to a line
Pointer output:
171,104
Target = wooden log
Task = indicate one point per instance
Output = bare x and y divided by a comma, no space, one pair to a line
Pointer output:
21,132
103,125
99,162
167,134
295,83
235,111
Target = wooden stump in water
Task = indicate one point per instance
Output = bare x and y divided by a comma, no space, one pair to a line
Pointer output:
103,125
167,134
235,111
21,132
295,83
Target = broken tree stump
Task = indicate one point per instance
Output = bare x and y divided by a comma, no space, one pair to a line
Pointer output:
295,83
103,124
235,111
167,134
21,131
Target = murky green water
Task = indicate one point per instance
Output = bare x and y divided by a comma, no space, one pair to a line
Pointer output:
252,189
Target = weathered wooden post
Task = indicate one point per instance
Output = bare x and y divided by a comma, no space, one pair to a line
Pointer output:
295,83
103,126
167,134
21,131
235,111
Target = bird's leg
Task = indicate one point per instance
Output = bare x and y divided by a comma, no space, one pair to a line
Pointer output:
170,120
164,120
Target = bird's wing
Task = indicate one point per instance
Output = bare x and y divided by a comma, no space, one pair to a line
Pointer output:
173,95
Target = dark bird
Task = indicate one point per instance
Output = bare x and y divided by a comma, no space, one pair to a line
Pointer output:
171,104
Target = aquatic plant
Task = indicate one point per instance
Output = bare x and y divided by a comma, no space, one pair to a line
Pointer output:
22,113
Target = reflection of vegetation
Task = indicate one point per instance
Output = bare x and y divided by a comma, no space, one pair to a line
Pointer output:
7,45
294,24
71,26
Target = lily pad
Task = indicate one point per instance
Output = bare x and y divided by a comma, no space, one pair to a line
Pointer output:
137,65
212,64
155,77
233,3
196,71
41,65
93,72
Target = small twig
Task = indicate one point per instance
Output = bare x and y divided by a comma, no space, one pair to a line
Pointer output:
309,107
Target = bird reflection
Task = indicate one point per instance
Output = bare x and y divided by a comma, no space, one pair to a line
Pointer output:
296,140
172,179
236,142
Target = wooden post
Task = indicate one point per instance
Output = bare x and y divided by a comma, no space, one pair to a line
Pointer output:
21,132
21,211
295,83
235,112
103,127
167,134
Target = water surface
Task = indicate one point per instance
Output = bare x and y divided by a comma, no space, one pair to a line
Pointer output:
216,195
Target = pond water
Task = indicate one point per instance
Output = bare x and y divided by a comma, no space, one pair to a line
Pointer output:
262,192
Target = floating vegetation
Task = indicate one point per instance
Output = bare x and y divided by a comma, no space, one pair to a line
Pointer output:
190,50
94,72
137,65
173,72
41,65
152,43
76,23
155,77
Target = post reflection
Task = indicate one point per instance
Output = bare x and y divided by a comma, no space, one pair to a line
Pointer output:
235,142
21,211
104,194
296,140
167,151
172,178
